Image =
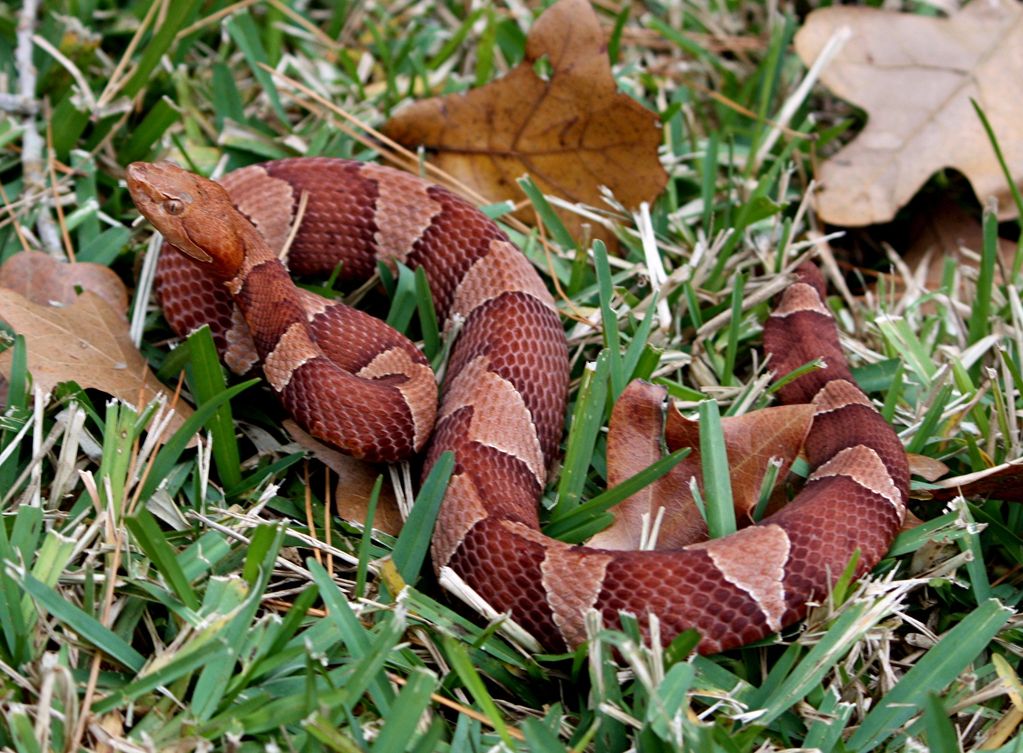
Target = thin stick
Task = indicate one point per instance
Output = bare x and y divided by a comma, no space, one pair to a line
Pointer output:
61,221
455,706
32,141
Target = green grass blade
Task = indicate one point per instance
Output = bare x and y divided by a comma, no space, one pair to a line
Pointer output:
427,315
86,626
825,733
177,14
14,622
562,525
981,308
929,425
21,729
358,640
86,195
463,667
941,735
172,450
609,320
145,135
367,538
547,214
638,350
717,482
417,532
183,663
206,380
243,30
976,567
259,476
15,410
408,708
587,418
1010,180
227,100
403,299
669,703
105,247
118,437
847,629
933,673
734,329
326,731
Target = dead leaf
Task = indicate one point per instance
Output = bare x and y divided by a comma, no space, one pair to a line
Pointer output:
752,440
947,230
42,279
572,132
86,342
929,469
1003,481
915,77
108,727
931,554
633,443
354,484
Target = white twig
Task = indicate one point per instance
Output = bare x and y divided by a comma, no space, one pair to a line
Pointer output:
144,288
31,140
83,86
832,48
654,265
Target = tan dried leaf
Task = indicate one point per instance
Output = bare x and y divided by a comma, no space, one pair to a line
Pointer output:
86,342
1003,481
946,230
42,279
354,484
753,441
915,77
572,132
929,469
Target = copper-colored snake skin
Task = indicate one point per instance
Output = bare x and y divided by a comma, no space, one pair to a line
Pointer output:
503,397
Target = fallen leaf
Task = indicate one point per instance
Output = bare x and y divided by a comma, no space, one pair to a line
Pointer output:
354,484
108,727
1003,482
753,441
927,468
634,437
572,132
931,554
946,230
915,77
42,279
86,342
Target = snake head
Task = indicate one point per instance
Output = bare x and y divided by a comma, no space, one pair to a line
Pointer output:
193,214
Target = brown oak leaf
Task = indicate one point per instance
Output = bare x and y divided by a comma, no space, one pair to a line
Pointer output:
355,480
915,77
927,468
572,132
86,342
42,279
944,230
752,441
1003,481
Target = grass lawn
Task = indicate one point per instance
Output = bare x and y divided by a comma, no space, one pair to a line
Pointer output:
202,594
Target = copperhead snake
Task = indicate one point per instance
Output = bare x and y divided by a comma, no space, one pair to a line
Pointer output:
354,383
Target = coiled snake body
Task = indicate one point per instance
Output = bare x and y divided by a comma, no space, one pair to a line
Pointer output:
356,384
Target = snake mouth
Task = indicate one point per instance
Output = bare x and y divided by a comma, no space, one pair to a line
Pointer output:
141,188
150,186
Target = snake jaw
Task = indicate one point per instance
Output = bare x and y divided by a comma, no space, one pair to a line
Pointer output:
157,192
192,213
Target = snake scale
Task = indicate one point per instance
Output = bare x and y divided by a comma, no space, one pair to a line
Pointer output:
356,384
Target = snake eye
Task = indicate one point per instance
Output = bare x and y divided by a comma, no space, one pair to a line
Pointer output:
173,207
